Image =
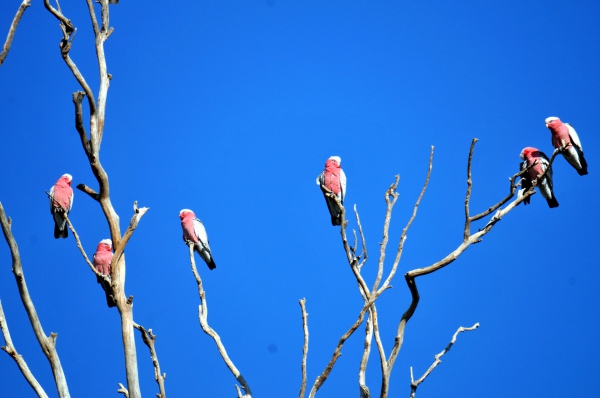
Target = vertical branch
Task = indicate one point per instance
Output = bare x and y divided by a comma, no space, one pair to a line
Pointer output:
13,29
203,318
304,347
12,351
47,343
148,337
468,195
362,378
390,199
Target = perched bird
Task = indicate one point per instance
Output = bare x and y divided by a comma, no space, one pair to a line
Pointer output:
193,231
101,261
564,135
530,155
334,179
61,197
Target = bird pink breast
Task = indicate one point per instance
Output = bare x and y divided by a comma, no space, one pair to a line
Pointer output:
560,134
188,228
537,169
63,193
102,259
332,176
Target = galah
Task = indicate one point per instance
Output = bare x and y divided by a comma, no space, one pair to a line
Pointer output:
194,231
334,179
101,261
529,156
61,200
565,137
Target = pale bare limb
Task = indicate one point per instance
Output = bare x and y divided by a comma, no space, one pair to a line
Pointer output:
12,351
148,337
47,343
13,29
363,253
391,196
239,392
415,383
304,347
93,194
135,219
362,377
203,317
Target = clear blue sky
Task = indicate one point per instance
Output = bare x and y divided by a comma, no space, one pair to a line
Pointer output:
231,108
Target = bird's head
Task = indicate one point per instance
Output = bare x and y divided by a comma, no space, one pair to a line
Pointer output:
105,244
336,159
67,178
528,151
185,213
552,122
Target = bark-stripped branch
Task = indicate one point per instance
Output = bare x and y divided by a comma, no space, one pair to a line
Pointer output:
135,219
415,383
123,390
203,318
13,29
304,347
12,351
47,343
148,337
468,195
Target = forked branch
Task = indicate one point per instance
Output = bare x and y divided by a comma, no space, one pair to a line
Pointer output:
13,29
415,383
203,318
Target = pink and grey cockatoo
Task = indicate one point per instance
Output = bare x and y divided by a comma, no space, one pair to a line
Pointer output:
61,195
193,231
530,155
565,136
101,261
334,179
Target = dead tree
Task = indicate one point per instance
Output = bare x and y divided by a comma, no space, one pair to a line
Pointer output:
356,261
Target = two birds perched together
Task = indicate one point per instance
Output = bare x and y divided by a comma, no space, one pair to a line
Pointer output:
61,203
565,138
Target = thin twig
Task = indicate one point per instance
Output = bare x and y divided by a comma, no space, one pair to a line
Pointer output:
47,343
304,347
203,318
138,213
148,337
415,383
13,29
12,351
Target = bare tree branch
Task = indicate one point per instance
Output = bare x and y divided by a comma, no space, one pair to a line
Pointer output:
362,377
135,219
93,194
47,343
12,351
415,383
13,29
148,337
203,317
468,195
304,347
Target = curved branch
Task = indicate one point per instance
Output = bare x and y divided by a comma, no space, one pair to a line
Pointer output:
203,318
148,337
47,343
12,351
12,30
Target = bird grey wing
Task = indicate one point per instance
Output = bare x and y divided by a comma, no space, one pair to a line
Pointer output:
342,185
525,177
51,199
71,204
545,164
321,178
574,136
200,232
